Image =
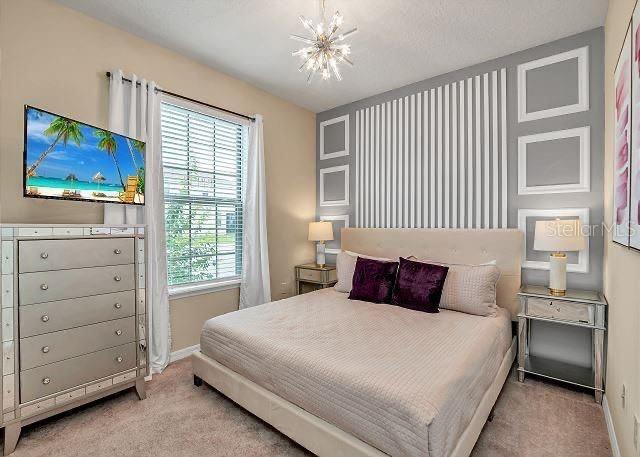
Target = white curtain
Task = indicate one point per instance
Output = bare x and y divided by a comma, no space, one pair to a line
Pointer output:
134,111
255,288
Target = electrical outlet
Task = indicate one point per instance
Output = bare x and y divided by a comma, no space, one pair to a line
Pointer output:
636,430
284,289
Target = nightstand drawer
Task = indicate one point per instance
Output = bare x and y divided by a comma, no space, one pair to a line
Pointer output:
310,275
561,310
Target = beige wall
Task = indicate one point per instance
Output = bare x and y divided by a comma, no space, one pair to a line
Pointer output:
55,58
621,267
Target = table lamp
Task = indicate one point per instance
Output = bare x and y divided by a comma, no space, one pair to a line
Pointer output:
559,237
320,232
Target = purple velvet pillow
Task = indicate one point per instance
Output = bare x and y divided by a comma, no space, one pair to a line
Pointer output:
373,280
419,285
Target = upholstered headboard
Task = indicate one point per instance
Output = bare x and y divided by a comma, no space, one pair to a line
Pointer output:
448,246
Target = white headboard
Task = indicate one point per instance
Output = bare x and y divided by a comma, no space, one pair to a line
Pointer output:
467,246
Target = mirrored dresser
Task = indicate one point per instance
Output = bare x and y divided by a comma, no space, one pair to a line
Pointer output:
74,319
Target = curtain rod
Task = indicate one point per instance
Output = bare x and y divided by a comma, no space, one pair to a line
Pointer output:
182,97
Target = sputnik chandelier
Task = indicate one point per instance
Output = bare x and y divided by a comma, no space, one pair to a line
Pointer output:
325,47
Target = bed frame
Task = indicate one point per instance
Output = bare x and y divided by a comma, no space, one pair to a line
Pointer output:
439,245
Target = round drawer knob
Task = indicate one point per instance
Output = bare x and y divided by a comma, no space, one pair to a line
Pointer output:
45,349
117,278
44,318
117,251
44,286
44,255
117,306
118,332
119,359
46,380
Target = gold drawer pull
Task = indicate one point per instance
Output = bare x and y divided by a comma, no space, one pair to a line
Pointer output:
118,332
44,286
44,318
45,349
117,278
117,306
46,380
117,251
44,255
119,359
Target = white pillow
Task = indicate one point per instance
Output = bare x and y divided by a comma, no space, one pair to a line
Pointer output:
471,289
345,266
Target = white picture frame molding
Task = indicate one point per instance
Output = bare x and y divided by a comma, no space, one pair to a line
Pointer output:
338,169
583,257
582,54
584,184
342,217
345,152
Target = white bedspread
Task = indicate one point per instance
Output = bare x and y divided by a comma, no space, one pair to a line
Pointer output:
404,381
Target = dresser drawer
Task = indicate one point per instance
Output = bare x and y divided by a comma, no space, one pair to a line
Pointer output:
310,275
53,347
59,285
37,408
75,312
561,310
55,377
45,255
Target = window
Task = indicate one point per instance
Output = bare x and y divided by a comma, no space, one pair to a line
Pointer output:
202,162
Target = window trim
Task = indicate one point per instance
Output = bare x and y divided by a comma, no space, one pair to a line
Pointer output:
204,287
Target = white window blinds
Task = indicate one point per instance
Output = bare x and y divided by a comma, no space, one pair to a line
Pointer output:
202,161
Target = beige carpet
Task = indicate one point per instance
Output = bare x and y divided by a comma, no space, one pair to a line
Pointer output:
534,419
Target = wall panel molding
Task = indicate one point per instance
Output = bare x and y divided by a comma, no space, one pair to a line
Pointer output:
336,234
341,153
575,213
582,55
344,201
428,157
584,167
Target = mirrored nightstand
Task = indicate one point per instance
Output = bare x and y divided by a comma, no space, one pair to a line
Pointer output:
310,277
580,308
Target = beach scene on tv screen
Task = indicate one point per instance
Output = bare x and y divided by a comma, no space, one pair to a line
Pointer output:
71,160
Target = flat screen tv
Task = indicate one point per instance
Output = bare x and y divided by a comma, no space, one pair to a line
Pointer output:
70,160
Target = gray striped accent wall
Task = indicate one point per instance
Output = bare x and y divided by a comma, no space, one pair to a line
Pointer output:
435,158
382,161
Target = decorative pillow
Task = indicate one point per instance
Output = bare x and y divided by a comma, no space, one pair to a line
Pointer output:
419,285
471,289
373,280
345,266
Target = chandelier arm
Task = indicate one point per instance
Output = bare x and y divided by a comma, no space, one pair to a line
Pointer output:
346,59
301,67
302,39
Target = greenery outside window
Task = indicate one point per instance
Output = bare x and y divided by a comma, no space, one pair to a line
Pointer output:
203,167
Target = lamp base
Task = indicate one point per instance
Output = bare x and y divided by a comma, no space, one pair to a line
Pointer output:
557,293
558,274
320,254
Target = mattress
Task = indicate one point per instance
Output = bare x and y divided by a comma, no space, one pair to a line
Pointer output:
403,381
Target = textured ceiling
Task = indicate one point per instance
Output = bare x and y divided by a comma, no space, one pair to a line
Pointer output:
399,41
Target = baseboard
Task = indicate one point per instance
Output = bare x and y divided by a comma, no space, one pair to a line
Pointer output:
182,353
615,450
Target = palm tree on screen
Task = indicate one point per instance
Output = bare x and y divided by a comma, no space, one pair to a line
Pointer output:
64,130
133,156
107,143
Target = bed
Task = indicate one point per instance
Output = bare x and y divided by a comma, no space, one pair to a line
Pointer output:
350,378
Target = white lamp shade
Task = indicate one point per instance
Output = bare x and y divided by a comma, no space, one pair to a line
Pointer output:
559,236
320,231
